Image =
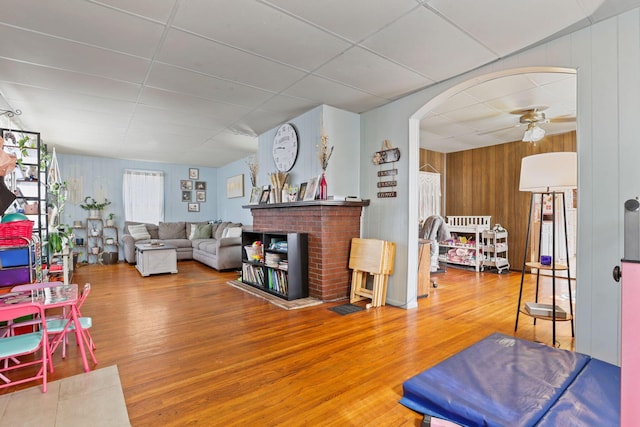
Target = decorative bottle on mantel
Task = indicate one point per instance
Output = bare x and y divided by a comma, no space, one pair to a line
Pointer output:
323,188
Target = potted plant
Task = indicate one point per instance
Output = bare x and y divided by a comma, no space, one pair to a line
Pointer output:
110,219
95,208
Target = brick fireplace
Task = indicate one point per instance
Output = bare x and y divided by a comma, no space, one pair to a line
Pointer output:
330,225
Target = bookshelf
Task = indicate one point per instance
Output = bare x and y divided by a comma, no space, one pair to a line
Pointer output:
280,266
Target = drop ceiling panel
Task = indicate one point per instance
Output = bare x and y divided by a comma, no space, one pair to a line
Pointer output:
215,59
191,83
86,22
427,42
501,87
57,53
172,101
145,113
331,93
158,10
373,74
51,78
261,29
372,15
505,26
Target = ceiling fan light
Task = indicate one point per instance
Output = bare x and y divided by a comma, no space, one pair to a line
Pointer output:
533,134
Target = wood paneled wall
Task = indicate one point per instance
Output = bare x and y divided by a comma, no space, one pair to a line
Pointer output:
485,181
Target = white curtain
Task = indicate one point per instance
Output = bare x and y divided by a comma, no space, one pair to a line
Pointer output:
428,195
143,196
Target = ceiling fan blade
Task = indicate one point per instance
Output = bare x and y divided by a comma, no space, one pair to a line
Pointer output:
533,109
562,119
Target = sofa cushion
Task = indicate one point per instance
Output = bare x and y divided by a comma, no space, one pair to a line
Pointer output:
214,227
139,232
209,246
179,243
200,231
172,230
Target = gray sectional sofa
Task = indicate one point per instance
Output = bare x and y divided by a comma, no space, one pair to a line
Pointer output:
218,245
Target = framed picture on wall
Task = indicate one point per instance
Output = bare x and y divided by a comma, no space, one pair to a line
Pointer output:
194,173
201,196
186,184
235,186
193,207
186,196
201,185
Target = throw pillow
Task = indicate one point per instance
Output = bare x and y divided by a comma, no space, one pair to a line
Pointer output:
220,230
139,232
200,231
232,232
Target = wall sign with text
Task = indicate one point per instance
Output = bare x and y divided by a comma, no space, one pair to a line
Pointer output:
387,177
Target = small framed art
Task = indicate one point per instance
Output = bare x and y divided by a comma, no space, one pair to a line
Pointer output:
201,185
201,196
186,196
194,173
193,207
264,197
256,192
186,184
302,191
312,187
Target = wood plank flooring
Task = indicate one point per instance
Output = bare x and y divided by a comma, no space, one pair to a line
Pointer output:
192,350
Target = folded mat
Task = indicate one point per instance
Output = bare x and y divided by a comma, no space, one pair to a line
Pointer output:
593,399
498,381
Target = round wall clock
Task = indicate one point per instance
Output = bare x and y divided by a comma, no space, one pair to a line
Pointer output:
285,147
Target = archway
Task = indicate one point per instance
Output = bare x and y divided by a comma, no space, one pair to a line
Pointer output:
414,150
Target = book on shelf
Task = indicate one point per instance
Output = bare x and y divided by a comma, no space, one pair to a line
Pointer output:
345,198
538,309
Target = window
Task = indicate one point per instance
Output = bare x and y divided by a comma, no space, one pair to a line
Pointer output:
143,196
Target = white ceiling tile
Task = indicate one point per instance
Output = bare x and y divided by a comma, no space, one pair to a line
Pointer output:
289,105
331,93
424,42
180,102
261,29
215,59
38,49
372,74
188,82
147,114
501,87
505,26
158,10
51,78
86,22
372,15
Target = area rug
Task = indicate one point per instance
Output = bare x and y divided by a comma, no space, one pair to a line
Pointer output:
91,399
282,303
346,309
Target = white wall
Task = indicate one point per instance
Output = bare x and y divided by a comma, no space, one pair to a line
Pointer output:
607,59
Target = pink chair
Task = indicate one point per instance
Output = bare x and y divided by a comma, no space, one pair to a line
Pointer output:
34,321
60,328
14,346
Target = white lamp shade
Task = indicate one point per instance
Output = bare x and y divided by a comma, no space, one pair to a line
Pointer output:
549,172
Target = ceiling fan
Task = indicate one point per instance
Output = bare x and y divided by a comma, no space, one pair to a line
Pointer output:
533,117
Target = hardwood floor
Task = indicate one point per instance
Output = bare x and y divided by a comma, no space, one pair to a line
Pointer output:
193,350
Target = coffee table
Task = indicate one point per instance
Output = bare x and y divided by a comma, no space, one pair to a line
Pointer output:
156,259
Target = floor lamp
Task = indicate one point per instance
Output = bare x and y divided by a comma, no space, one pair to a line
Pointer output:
548,175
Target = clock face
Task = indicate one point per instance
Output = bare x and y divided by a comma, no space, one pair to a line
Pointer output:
285,147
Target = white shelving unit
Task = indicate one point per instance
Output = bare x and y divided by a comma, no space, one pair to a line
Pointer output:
495,248
470,253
